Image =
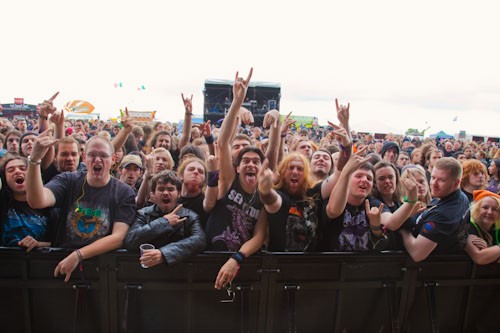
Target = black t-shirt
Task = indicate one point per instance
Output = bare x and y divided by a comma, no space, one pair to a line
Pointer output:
351,230
469,196
394,239
196,205
232,221
293,226
52,171
88,213
443,223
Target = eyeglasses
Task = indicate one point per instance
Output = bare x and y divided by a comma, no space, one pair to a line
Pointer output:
93,155
230,293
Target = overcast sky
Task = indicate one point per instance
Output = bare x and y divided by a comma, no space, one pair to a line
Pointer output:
400,64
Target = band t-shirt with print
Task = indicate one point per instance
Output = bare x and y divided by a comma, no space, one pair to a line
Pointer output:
88,213
232,221
351,230
293,226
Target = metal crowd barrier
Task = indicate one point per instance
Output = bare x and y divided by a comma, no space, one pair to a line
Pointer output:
274,292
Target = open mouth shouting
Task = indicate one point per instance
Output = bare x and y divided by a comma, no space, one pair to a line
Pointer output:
98,170
19,179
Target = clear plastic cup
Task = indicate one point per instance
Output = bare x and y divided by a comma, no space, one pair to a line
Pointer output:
145,247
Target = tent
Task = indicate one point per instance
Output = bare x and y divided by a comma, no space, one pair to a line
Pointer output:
441,135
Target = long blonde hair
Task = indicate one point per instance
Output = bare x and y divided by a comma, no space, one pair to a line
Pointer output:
413,169
475,210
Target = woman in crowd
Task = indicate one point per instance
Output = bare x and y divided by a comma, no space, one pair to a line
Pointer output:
494,182
424,193
387,186
483,244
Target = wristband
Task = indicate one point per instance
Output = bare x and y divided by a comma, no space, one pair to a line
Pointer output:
213,178
43,117
189,113
238,256
79,254
209,139
405,199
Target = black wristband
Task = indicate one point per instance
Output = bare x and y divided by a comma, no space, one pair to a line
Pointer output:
238,256
209,139
213,178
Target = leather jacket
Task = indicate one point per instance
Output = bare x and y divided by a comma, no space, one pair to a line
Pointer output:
176,243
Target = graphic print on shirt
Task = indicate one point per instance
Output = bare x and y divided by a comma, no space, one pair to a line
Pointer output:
19,225
300,228
354,235
239,234
88,223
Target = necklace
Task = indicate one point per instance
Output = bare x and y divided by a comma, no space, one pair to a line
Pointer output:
251,200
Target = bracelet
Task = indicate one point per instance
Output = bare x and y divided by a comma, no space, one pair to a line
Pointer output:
209,139
283,135
79,254
189,113
238,256
43,117
379,227
34,162
213,178
405,199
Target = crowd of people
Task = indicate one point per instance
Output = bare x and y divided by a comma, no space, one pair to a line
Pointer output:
96,186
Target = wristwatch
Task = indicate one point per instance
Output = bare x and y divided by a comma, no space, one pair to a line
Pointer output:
34,162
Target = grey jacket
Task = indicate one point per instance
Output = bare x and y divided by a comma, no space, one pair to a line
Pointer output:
176,243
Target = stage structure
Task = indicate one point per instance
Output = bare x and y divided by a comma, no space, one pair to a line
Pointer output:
261,97
18,109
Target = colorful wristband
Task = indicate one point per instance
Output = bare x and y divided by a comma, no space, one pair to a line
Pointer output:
405,199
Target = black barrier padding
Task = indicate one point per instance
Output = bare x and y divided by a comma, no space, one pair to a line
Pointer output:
330,292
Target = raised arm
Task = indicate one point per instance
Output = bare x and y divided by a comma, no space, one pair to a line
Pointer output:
272,201
395,220
343,114
144,189
285,127
345,153
338,198
272,119
128,125
227,172
46,108
212,183
188,121
39,197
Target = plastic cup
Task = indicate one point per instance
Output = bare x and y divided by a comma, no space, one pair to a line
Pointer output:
145,247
